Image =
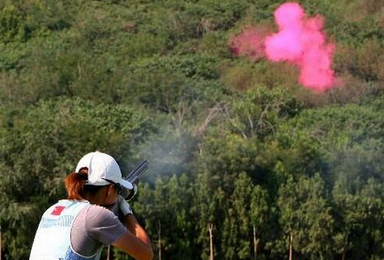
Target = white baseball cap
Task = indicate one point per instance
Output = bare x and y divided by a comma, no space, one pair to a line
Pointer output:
102,170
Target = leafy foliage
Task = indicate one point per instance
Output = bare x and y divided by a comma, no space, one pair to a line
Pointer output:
234,145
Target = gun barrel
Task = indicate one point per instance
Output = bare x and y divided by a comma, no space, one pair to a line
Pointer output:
137,172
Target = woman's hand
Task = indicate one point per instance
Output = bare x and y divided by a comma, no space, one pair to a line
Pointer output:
124,206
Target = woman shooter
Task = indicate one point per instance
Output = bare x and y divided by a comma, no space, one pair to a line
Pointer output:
77,228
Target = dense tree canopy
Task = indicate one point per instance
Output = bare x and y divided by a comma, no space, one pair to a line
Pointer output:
242,158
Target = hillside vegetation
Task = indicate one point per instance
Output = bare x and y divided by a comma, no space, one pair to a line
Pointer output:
236,146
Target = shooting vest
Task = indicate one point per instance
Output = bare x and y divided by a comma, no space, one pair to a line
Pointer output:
53,236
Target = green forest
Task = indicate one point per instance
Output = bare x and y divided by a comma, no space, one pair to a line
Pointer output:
242,158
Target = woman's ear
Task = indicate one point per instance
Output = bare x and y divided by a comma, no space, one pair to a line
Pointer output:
110,190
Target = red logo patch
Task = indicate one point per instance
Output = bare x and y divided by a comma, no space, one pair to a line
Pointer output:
57,210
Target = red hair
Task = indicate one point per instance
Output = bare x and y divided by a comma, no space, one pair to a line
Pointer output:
74,183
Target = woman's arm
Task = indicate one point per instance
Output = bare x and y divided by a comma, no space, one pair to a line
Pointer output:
135,241
134,226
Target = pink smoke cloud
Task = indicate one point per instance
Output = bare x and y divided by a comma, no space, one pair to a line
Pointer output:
299,40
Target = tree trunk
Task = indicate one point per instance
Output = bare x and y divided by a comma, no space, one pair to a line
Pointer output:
109,253
290,247
159,237
255,243
344,248
1,248
210,229
343,254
